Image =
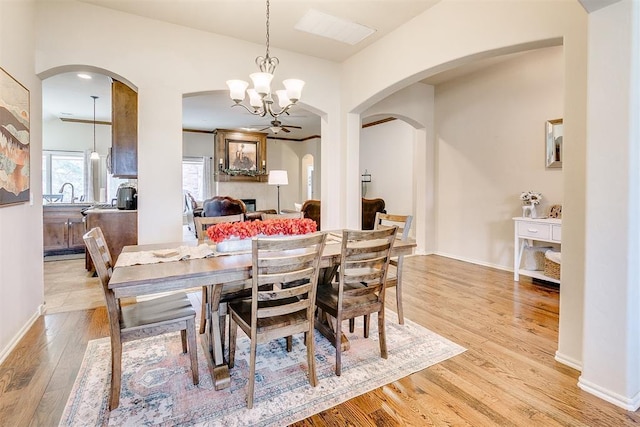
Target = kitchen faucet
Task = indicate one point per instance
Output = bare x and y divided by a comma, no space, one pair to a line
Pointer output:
73,198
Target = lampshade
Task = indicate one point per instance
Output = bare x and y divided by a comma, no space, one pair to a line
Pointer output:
237,89
261,82
283,99
294,88
254,98
277,177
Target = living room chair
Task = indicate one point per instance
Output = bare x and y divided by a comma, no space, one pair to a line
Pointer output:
364,260
288,267
144,319
394,275
202,223
311,209
223,206
370,207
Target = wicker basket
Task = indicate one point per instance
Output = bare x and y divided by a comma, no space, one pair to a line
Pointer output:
551,268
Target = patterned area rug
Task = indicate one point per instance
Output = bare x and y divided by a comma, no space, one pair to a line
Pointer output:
157,387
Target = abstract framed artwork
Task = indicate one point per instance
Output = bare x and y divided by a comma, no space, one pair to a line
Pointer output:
14,141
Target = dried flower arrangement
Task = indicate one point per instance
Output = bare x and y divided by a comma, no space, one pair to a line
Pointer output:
270,227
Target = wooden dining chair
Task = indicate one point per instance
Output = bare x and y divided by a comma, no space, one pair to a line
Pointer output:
202,223
140,320
394,276
288,267
288,215
364,260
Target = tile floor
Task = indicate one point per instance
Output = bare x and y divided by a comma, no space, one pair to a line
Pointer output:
69,287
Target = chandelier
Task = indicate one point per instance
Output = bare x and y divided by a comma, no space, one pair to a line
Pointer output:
260,96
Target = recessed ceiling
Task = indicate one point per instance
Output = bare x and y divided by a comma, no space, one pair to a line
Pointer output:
245,20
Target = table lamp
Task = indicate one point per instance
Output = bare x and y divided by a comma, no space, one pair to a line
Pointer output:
278,178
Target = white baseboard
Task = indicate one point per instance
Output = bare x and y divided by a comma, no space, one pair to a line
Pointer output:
630,404
474,261
16,339
569,361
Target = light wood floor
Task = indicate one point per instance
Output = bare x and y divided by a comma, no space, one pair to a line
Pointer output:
507,376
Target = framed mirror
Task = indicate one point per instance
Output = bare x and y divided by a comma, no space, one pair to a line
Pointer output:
553,141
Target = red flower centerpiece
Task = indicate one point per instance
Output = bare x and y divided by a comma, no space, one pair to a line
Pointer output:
270,227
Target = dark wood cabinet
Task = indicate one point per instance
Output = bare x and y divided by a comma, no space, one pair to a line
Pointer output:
63,228
124,132
120,228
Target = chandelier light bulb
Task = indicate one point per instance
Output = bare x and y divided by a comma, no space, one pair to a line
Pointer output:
237,89
254,99
262,83
283,99
294,89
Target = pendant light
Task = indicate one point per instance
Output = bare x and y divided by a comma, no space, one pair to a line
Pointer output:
94,153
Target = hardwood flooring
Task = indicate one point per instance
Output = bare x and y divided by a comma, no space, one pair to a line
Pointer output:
507,376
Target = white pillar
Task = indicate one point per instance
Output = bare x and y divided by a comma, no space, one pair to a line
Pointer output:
611,350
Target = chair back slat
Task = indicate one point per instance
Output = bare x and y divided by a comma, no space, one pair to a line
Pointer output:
284,277
281,291
282,309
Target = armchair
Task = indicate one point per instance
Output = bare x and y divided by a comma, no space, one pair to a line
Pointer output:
369,209
223,206
311,209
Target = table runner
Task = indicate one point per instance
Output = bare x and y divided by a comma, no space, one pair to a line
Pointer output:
182,253
165,255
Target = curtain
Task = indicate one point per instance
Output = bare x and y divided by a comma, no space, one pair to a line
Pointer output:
207,177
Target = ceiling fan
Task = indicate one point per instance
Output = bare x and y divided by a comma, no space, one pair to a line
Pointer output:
276,126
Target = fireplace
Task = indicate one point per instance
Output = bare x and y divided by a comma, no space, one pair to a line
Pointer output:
250,204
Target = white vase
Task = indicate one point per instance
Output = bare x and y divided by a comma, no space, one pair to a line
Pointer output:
234,245
529,211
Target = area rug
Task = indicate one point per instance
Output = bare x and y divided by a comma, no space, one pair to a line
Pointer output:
157,388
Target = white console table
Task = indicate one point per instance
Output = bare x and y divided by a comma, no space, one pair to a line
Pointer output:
526,231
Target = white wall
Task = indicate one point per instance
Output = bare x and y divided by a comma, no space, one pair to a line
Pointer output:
21,276
413,105
490,130
387,153
59,135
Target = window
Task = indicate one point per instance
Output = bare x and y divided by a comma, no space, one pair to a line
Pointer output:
60,167
193,176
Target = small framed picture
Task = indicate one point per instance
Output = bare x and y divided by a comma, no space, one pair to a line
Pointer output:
553,143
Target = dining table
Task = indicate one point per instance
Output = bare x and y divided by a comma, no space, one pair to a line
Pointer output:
223,272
